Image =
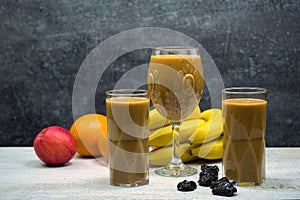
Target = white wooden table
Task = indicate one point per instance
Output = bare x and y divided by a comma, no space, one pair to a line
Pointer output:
23,176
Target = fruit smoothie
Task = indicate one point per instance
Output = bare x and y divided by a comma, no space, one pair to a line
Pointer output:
128,140
175,84
244,140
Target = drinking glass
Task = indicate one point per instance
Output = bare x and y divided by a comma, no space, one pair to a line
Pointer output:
244,113
127,115
175,84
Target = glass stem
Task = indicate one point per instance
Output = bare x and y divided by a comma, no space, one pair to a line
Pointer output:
176,155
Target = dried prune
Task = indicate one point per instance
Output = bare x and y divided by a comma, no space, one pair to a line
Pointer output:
213,169
206,178
186,186
208,175
217,182
223,187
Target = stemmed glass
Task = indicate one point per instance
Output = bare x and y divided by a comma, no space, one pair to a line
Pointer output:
175,84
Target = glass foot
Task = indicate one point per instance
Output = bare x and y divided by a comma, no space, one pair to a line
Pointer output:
176,170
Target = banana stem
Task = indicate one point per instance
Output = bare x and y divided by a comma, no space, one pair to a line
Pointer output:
176,155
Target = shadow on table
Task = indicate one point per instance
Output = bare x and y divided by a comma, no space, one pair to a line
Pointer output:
40,164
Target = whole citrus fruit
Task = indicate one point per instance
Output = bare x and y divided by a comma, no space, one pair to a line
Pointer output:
87,131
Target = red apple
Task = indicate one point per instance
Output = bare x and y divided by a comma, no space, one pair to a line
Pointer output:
54,145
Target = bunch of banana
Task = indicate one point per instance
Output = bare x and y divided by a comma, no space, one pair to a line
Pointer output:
206,127
212,150
163,136
210,130
163,155
199,137
156,120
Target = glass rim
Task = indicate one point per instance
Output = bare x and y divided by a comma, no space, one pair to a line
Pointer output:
245,90
127,92
175,48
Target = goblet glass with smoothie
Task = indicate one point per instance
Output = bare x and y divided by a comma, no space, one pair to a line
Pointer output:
175,84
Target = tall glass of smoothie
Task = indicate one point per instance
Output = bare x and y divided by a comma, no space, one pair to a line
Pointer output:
127,114
175,84
244,114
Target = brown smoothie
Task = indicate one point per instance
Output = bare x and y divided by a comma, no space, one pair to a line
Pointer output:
128,139
175,83
244,140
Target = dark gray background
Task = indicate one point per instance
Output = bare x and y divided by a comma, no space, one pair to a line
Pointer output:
44,42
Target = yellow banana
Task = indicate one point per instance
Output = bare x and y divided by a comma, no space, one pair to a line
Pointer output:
162,156
156,120
211,151
163,136
210,130
211,114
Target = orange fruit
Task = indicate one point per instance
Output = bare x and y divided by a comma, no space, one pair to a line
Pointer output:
88,130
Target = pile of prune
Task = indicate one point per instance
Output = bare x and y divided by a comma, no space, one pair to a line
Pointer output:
208,175
186,186
223,187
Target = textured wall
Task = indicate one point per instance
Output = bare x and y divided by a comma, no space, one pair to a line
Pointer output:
44,42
